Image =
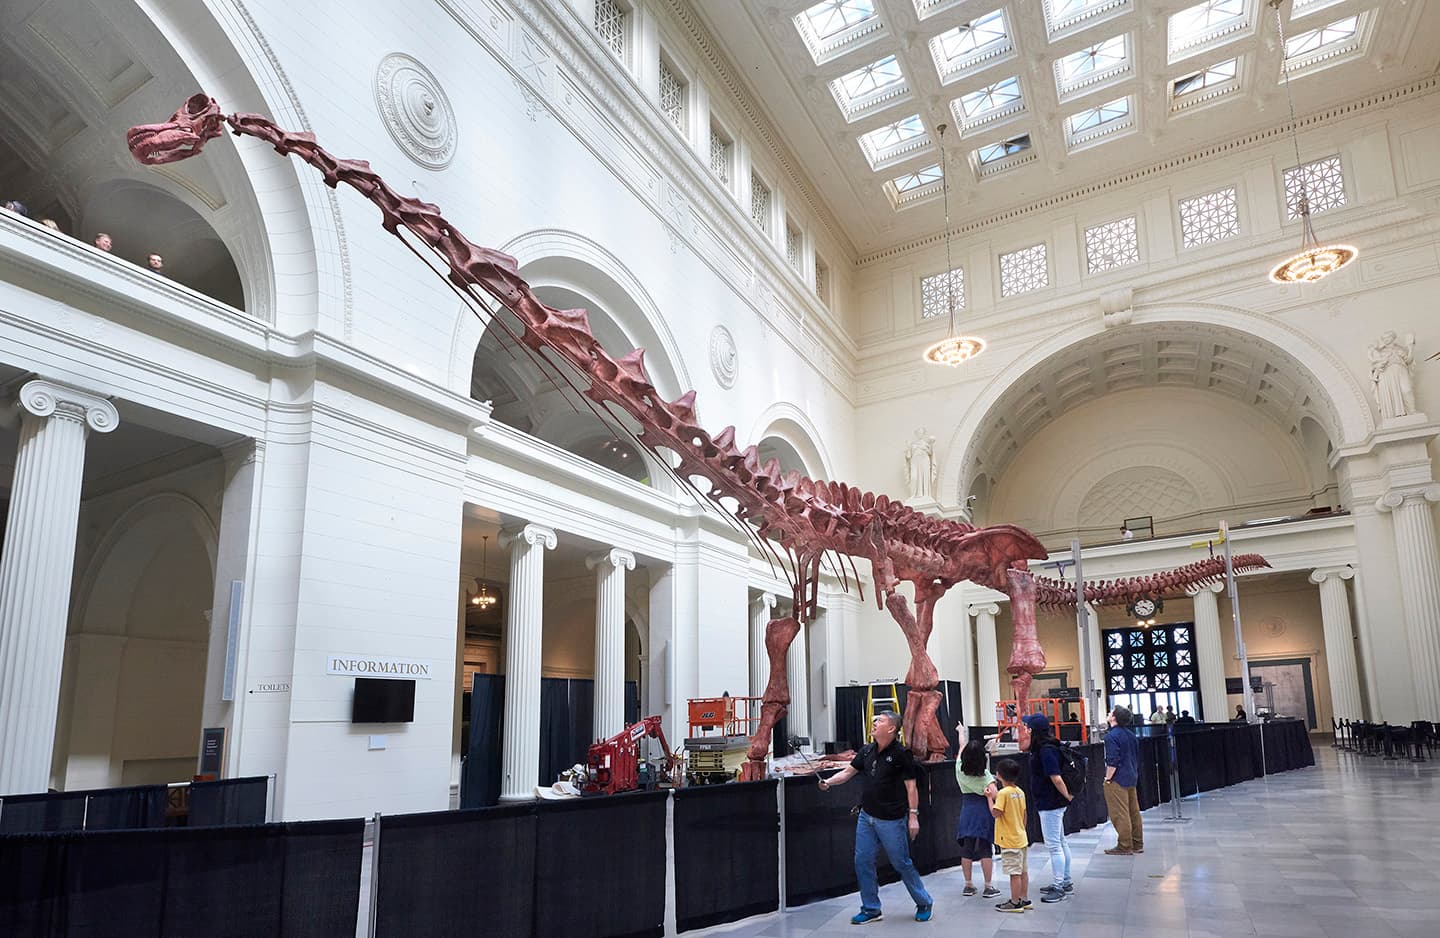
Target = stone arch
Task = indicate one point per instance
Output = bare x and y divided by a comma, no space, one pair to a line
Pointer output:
788,424
1343,411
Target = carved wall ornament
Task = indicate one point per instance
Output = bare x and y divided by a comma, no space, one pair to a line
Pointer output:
415,110
1390,360
724,356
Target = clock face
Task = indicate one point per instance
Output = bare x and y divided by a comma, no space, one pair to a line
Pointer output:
1144,608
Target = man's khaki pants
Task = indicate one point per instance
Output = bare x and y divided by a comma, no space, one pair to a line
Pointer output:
1124,808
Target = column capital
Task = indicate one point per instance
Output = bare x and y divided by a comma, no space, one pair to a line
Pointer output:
614,557
1393,499
46,398
1321,574
765,600
984,609
531,534
1197,589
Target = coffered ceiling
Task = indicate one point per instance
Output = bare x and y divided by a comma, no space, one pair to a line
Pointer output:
1041,96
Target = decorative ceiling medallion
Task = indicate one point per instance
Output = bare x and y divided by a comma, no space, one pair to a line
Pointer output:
724,357
415,110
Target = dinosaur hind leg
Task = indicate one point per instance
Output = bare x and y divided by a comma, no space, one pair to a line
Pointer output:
778,636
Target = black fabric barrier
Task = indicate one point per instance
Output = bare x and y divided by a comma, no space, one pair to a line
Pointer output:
127,808
820,840
445,873
229,801
23,814
619,891
727,857
297,879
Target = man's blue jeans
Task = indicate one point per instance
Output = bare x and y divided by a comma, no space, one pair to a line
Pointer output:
1052,825
870,835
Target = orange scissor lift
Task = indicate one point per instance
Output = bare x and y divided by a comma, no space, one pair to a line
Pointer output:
719,737
1008,714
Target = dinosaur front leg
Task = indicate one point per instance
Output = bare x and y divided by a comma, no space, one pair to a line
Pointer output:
922,703
1027,658
778,636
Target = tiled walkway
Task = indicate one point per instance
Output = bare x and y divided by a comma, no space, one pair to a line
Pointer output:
1348,848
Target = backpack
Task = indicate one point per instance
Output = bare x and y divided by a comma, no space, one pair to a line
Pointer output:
1072,768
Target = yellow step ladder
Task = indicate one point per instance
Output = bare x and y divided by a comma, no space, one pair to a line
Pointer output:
892,702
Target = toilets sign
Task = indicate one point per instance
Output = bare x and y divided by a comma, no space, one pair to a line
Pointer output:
375,666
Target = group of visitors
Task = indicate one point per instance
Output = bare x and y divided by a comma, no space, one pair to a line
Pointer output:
992,809
103,241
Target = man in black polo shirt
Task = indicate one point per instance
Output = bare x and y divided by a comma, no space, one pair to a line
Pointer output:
889,816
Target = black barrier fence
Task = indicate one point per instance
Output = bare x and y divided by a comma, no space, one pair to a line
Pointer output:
298,879
594,866
229,802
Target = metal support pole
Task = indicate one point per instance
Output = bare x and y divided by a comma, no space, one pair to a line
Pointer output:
1082,622
1247,694
374,876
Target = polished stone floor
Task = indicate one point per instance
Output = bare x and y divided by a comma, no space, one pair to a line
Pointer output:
1350,847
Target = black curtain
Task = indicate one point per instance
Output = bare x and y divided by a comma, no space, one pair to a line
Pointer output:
936,848
619,891
566,715
55,811
458,873
727,840
480,781
229,801
127,808
851,730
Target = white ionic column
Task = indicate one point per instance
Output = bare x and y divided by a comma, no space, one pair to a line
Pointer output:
797,717
35,573
1419,568
760,615
1209,653
965,670
610,567
1095,708
520,756
1339,641
987,663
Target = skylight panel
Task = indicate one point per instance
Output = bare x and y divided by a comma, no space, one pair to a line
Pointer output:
834,16
921,177
1205,78
1060,15
869,85
1317,39
1204,22
969,44
998,151
991,98
1093,65
894,140
1094,117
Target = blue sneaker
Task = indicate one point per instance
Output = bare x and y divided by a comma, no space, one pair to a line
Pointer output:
922,913
864,917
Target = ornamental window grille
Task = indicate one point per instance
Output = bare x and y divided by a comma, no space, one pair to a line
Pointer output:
822,281
1113,244
1324,186
1211,217
1024,270
721,154
672,95
760,202
1159,659
611,20
792,245
935,297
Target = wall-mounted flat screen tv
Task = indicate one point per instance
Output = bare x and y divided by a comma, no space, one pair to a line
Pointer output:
383,700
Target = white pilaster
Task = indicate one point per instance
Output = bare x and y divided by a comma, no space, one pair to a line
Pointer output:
610,567
760,615
1095,708
987,663
35,573
797,717
520,758
1339,641
1419,568
1209,654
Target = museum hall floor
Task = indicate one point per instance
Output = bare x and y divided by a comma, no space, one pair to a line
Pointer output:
1346,848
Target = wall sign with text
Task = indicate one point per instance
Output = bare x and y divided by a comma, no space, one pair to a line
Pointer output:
376,666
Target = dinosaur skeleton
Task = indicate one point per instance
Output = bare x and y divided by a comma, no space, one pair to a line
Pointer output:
812,522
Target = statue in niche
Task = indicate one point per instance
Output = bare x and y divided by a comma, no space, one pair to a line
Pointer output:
920,465
1390,360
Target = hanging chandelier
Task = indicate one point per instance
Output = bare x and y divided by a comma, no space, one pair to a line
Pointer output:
1315,261
484,600
953,350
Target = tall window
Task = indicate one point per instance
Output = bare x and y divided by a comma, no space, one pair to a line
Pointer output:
760,203
611,20
672,95
1153,666
721,154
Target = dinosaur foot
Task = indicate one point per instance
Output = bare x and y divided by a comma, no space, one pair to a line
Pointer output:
922,725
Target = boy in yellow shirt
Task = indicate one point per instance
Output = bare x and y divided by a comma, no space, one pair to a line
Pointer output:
1008,807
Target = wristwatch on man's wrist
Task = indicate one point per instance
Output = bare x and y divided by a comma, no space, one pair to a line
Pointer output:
915,811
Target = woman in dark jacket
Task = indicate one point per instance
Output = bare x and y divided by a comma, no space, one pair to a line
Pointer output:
976,830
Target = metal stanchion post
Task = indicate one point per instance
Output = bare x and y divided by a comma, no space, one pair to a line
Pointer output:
374,876
1176,796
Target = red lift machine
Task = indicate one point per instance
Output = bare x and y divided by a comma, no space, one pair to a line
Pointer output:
614,762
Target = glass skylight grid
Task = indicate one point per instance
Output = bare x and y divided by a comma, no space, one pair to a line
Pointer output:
921,177
760,202
1205,78
1062,14
998,151
672,95
610,22
833,16
1001,95
721,150
892,140
1113,244
1315,40
1324,186
1093,118
1024,270
1092,64
1199,24
1211,217
965,45
934,296
871,79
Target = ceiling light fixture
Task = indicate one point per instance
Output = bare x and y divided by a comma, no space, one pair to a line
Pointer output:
1315,261
953,350
484,600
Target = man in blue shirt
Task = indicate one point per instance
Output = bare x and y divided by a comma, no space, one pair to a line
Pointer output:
1122,772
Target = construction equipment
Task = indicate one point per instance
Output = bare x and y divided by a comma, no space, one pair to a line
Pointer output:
614,763
879,704
1055,709
719,738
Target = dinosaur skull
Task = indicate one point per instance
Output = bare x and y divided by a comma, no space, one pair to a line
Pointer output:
181,137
